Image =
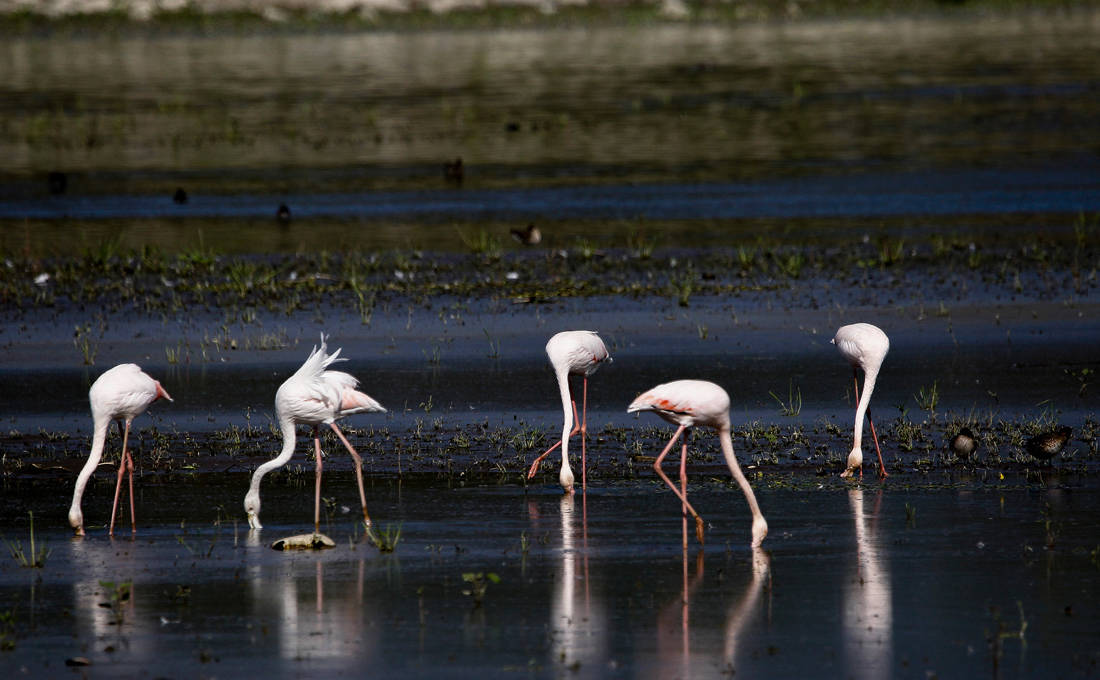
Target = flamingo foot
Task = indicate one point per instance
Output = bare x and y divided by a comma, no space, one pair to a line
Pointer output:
534,469
699,529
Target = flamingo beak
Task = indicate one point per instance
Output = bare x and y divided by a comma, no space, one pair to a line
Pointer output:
254,521
161,393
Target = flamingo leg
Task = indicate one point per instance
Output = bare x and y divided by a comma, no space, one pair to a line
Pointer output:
121,471
575,430
317,492
874,435
130,477
683,508
584,434
358,471
681,496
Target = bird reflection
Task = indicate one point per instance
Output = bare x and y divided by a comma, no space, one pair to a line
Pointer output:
868,611
309,626
577,617
674,622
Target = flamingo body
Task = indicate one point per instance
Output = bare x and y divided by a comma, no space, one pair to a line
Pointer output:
121,393
313,396
572,353
865,347
690,403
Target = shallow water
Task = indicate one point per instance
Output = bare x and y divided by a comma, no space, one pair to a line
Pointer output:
819,133
868,582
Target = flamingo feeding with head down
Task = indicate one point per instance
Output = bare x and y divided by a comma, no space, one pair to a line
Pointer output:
864,346
573,353
313,396
121,393
688,403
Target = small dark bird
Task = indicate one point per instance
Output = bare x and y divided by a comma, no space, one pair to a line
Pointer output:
964,443
283,213
180,197
1046,445
57,181
453,172
529,237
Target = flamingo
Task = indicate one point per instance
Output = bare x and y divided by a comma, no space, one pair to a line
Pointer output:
313,396
864,346
688,403
121,393
573,353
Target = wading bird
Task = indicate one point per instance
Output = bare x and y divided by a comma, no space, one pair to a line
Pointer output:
572,353
313,396
964,443
1046,445
121,393
688,403
864,346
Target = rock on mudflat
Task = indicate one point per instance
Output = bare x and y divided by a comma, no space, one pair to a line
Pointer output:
304,542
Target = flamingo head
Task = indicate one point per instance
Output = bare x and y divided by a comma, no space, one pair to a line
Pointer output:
855,461
566,479
76,521
161,392
759,530
252,509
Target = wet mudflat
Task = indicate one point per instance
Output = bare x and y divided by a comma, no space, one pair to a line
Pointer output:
941,575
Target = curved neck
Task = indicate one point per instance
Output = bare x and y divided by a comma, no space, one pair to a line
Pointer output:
735,470
289,436
869,376
567,410
99,439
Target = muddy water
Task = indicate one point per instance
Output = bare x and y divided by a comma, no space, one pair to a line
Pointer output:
852,582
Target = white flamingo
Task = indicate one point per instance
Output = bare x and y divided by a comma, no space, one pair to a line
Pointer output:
313,396
573,353
688,403
121,393
864,346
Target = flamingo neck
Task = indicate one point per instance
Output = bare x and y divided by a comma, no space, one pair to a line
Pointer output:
727,451
289,436
870,374
567,410
99,439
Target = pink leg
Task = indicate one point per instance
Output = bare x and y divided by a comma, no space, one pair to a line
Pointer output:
317,493
535,465
874,435
683,507
121,471
584,435
358,471
682,496
130,476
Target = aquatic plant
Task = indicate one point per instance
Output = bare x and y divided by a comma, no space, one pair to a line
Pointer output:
38,554
927,398
118,594
385,540
478,585
793,405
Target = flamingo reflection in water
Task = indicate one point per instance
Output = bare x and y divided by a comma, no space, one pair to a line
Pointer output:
674,622
868,610
578,619
333,632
